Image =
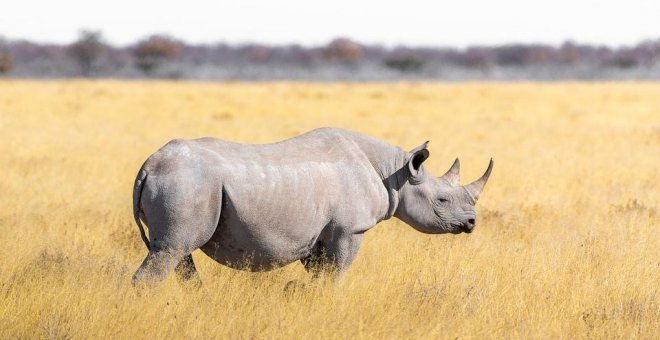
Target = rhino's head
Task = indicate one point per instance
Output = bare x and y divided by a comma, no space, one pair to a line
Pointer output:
438,205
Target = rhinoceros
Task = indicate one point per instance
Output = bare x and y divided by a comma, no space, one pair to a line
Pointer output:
310,198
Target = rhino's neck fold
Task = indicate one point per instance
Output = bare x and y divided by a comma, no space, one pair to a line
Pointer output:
389,163
393,180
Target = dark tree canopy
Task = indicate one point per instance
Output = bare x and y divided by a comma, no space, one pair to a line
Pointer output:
6,60
153,51
344,50
87,50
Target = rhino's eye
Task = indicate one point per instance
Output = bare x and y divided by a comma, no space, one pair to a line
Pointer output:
443,200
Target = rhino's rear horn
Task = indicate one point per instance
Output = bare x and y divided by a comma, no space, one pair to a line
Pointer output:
477,186
453,174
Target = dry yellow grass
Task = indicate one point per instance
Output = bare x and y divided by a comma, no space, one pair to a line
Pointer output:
566,245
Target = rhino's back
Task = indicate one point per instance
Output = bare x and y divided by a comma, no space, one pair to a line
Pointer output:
325,145
298,183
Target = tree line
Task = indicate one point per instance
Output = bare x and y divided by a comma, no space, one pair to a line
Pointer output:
162,56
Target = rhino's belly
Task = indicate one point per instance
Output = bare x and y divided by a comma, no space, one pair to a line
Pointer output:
256,254
272,218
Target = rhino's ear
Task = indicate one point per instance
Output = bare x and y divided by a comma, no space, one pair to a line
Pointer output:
417,156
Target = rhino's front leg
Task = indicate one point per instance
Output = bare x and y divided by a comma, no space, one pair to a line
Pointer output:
343,250
334,255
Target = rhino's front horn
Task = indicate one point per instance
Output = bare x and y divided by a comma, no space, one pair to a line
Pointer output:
477,186
453,174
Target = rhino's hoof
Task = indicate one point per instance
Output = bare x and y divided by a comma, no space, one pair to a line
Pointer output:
292,287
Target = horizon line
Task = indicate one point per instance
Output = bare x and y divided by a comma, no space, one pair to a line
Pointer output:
109,42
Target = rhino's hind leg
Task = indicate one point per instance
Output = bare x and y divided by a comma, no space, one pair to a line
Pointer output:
182,213
187,273
156,267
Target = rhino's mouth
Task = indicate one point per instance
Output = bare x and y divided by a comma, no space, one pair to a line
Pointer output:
460,228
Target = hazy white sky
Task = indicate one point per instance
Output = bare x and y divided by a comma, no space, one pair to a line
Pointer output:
413,22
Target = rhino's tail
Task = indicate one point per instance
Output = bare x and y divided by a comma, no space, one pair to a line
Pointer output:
137,195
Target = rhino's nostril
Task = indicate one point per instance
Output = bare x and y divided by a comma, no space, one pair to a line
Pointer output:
471,221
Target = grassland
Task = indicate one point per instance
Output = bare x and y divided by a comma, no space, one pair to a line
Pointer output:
566,246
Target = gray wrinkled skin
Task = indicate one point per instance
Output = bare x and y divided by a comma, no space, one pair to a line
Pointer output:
310,198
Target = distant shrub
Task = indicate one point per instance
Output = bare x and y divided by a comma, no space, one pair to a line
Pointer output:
344,50
478,57
512,55
649,51
623,61
541,54
258,53
568,53
6,62
5,57
87,50
405,63
153,51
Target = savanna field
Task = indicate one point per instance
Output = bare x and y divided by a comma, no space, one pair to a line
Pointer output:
566,243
